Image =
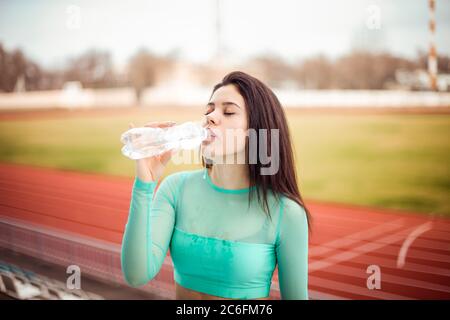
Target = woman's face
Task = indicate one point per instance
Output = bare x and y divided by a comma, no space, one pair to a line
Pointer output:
226,118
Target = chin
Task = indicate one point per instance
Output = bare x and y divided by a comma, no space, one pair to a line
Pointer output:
222,158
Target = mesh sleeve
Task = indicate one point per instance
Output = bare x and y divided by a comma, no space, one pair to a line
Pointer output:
149,229
292,252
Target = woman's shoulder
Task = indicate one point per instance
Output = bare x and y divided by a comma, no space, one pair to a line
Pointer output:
291,203
292,209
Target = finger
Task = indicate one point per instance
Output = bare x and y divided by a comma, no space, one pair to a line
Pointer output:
130,125
160,124
165,157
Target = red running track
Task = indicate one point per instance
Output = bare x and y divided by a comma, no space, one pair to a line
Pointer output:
411,250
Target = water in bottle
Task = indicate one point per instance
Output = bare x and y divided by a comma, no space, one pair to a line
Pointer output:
146,142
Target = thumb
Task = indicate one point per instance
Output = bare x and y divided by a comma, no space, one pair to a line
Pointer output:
130,125
166,156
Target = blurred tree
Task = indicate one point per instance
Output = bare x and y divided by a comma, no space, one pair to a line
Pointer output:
92,68
17,71
365,70
12,66
443,62
359,69
314,73
145,69
270,68
356,70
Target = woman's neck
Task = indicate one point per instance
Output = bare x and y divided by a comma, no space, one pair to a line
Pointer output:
230,176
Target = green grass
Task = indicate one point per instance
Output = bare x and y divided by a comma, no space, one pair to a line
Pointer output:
396,161
390,161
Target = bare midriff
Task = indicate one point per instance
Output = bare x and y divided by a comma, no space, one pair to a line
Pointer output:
183,293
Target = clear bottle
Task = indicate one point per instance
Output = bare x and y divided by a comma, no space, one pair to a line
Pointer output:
146,142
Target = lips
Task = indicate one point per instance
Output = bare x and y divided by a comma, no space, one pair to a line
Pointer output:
211,135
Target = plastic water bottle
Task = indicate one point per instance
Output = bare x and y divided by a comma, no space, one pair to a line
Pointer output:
146,142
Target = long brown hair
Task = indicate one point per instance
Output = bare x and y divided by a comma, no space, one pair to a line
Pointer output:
264,111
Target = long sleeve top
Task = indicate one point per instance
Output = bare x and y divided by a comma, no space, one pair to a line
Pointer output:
220,243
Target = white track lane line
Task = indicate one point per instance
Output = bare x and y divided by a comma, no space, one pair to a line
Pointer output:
360,250
409,240
364,235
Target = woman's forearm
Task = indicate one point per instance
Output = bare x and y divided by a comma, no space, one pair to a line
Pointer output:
136,257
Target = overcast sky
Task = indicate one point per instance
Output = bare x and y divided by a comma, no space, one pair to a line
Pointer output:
50,31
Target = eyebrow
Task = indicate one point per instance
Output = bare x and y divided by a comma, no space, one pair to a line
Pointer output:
223,103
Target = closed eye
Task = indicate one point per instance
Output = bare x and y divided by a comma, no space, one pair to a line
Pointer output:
226,113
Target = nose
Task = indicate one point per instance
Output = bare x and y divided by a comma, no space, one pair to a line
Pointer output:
212,118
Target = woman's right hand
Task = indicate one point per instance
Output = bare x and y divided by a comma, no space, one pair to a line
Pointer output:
151,168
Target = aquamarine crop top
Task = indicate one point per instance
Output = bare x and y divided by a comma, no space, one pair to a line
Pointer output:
218,243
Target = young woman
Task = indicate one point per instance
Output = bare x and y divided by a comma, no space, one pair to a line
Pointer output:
229,224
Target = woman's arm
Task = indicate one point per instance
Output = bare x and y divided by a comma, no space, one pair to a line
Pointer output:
292,252
149,229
